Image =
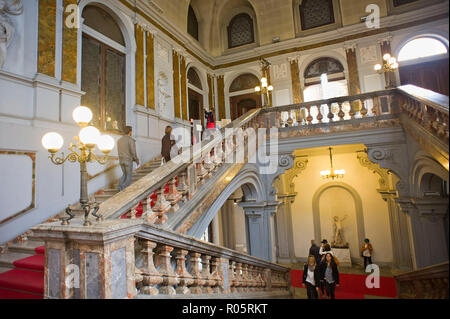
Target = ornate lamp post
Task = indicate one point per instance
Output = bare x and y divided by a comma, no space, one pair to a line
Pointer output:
390,65
264,89
332,173
81,151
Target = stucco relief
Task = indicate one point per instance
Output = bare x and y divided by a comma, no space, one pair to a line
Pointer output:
163,93
7,7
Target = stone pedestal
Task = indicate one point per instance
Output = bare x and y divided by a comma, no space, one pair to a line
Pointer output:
343,256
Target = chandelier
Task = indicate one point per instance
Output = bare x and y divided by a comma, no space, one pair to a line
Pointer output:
332,173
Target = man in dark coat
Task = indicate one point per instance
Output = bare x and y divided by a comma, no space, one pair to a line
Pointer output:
166,144
314,251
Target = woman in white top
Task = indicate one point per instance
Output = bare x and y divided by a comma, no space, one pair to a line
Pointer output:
311,278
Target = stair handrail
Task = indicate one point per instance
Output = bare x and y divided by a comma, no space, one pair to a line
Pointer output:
125,200
430,98
363,96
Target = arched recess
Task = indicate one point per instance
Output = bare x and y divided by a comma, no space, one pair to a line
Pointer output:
358,208
128,49
242,96
253,190
430,72
229,10
423,164
197,91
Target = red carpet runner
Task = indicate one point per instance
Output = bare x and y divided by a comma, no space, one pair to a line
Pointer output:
354,286
26,280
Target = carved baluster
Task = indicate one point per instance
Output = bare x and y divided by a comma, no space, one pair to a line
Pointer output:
197,277
166,271
261,275
244,284
319,115
182,186
251,272
216,272
232,276
149,214
218,154
290,120
341,113
185,278
133,212
206,274
161,207
173,196
352,111
151,276
237,278
209,164
330,114
309,117
363,110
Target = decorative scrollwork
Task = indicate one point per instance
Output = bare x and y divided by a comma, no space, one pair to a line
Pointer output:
285,160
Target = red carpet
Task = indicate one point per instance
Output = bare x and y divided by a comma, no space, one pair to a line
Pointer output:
354,286
26,281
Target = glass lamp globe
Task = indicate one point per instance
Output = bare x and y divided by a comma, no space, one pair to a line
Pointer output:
105,143
270,88
264,84
263,80
52,142
392,60
386,57
257,89
89,136
395,65
377,67
82,115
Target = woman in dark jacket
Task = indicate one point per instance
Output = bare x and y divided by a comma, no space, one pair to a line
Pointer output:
311,277
330,275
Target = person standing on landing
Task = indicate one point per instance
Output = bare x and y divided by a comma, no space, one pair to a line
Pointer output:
330,275
311,277
314,251
366,252
126,148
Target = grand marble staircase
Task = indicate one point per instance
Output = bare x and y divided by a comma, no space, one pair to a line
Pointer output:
143,235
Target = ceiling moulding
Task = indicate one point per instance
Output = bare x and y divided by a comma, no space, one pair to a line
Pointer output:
335,37
168,31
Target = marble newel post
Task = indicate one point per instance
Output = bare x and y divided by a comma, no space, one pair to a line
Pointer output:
95,262
261,228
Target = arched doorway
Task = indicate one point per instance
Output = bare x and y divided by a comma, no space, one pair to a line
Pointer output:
242,95
424,62
195,95
103,71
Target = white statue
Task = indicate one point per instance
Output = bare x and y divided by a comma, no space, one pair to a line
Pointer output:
13,7
339,240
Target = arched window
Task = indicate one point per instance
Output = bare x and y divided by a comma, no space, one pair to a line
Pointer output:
194,79
192,26
103,69
240,31
421,48
316,13
244,82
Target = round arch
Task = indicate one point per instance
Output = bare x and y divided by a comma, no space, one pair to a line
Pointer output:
427,33
329,54
126,26
358,207
423,164
249,180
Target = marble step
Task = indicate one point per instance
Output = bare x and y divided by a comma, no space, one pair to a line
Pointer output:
25,247
10,257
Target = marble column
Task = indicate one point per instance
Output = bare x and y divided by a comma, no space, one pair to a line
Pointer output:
221,96
176,85
295,78
47,37
211,103
385,45
427,218
354,86
259,221
69,48
285,251
184,104
150,69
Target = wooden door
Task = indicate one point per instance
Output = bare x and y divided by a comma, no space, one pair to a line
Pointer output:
196,106
241,104
429,75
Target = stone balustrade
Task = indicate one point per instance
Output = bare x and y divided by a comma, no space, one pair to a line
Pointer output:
426,283
129,258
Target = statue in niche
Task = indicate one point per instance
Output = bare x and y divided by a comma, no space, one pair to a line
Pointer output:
339,241
12,7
